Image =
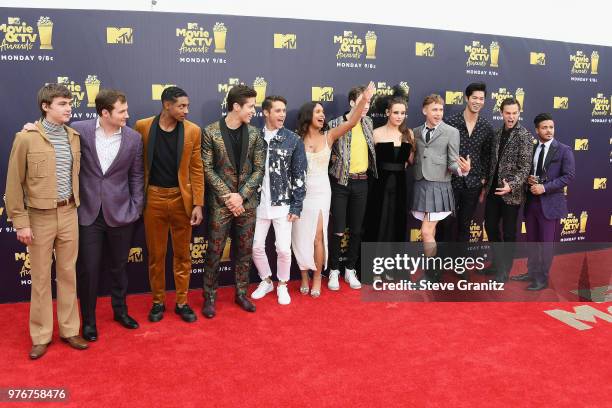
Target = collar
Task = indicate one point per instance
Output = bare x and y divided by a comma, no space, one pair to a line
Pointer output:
100,127
434,128
547,144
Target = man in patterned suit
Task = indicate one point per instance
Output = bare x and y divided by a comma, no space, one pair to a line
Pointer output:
233,154
511,157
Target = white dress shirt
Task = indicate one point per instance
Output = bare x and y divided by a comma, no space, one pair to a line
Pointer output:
537,154
106,146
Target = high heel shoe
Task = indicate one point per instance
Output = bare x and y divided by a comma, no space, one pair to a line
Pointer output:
304,290
315,293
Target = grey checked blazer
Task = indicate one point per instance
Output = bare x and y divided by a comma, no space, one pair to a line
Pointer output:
436,160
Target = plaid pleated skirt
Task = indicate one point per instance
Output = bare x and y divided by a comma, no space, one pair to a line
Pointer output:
433,196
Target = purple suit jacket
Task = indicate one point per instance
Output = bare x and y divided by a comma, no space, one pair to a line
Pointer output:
120,191
559,170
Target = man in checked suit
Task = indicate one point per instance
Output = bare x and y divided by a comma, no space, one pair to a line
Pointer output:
233,153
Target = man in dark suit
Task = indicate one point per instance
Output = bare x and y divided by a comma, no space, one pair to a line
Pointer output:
511,156
233,153
111,182
174,193
553,169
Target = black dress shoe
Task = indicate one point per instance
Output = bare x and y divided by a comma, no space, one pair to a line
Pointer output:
90,333
126,321
523,277
537,286
244,303
209,310
157,312
186,313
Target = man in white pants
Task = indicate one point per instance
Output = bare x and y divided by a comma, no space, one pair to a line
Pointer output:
282,195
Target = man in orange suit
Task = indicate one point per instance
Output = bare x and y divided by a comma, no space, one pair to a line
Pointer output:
174,196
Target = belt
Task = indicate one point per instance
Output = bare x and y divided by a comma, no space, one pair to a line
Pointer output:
358,176
66,201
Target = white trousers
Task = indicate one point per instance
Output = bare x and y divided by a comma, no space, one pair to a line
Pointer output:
282,231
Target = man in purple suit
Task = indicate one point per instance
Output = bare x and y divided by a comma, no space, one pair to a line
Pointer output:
553,168
112,196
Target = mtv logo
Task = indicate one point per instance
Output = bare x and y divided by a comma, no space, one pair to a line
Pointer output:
581,144
192,26
322,93
135,255
14,20
288,41
600,183
454,98
157,89
415,235
560,102
537,58
119,35
580,315
424,49
198,240
63,80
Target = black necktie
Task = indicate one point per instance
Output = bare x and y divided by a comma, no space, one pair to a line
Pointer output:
428,134
540,160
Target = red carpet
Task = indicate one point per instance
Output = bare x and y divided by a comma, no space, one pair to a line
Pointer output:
332,351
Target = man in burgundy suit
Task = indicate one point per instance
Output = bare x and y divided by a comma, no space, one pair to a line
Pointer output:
553,168
112,196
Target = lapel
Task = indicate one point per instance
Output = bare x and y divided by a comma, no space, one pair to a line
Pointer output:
151,142
180,144
437,132
245,145
122,147
91,140
554,146
227,142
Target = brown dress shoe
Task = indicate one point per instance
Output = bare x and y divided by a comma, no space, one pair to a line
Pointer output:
76,342
38,350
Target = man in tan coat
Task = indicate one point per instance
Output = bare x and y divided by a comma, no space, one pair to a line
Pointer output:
42,196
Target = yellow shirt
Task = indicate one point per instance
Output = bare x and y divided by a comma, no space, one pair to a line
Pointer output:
359,150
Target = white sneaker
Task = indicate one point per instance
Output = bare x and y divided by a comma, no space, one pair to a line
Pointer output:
262,290
333,283
283,294
351,278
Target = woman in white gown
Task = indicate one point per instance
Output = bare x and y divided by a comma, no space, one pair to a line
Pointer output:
309,232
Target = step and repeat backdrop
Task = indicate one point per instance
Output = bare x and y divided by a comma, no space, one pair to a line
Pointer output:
141,53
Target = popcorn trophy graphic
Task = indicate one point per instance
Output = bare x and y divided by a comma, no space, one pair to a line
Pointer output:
92,87
227,250
45,33
370,38
584,216
520,96
260,85
494,54
594,62
220,34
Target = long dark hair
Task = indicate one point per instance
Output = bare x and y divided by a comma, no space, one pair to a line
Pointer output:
407,135
305,118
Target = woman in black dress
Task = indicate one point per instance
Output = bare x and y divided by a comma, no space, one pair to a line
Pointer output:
388,201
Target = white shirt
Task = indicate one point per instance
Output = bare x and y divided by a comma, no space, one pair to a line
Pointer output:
265,209
537,154
106,146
